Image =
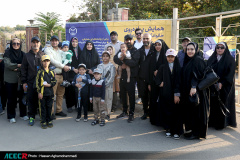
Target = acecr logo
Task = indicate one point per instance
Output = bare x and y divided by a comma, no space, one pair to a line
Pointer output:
16,156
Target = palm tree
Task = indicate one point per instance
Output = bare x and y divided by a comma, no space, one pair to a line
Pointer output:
49,22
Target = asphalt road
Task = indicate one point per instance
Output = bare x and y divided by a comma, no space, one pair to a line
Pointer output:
116,135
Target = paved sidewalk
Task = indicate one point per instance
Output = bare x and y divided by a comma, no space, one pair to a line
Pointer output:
117,135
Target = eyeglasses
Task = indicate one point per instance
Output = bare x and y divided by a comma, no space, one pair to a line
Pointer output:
220,47
138,33
16,44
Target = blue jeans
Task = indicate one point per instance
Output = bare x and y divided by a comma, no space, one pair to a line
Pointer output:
1,109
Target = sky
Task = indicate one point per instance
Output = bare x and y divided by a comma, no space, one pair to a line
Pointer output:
13,12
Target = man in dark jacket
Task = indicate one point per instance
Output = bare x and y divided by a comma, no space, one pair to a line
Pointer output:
30,65
146,53
126,87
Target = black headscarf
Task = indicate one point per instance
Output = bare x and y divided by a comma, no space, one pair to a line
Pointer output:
75,61
90,57
155,64
192,64
162,57
225,65
16,56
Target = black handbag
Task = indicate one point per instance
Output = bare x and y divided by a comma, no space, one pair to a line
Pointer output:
194,99
209,78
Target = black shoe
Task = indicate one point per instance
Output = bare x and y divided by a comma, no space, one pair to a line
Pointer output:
144,116
95,122
122,115
130,118
44,125
102,123
187,135
50,124
61,114
53,117
107,117
192,137
69,110
78,118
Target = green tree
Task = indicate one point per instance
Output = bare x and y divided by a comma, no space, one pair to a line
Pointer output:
48,23
162,9
19,27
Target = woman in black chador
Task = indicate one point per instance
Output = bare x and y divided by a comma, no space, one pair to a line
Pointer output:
158,58
90,58
224,65
195,115
70,99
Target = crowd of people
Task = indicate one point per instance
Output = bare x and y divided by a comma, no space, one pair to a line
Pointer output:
167,82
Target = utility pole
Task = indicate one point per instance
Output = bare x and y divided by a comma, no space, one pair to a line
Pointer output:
100,10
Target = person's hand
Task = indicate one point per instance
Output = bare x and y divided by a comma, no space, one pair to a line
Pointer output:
25,87
123,54
79,79
90,71
149,88
90,100
161,85
176,99
155,73
66,68
19,65
46,85
75,70
15,70
78,85
193,91
40,96
220,86
124,66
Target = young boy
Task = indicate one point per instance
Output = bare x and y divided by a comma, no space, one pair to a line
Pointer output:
168,79
66,60
97,96
45,81
108,75
82,82
124,50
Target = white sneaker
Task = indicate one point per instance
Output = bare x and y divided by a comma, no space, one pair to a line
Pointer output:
168,134
176,136
25,118
13,120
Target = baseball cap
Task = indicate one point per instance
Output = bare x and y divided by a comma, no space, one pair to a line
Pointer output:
54,37
128,36
35,38
171,52
106,52
45,57
187,38
65,43
97,70
82,65
113,32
